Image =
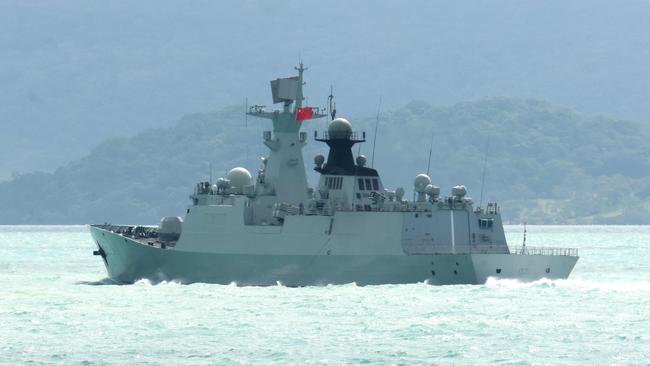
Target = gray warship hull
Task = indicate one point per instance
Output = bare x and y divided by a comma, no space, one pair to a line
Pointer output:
274,228
128,260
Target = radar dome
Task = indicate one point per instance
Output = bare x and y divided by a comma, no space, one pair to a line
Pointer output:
319,159
459,191
239,177
170,228
431,190
421,182
361,160
340,128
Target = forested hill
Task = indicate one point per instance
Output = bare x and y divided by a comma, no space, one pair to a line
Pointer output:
545,164
75,72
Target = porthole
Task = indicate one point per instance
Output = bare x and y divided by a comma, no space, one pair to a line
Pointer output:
548,270
498,270
455,272
433,273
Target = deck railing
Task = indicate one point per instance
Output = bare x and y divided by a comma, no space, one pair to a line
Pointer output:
339,135
571,252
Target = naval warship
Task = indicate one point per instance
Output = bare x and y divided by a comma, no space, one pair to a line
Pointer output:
273,228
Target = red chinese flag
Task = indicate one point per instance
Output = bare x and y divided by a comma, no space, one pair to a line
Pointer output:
304,113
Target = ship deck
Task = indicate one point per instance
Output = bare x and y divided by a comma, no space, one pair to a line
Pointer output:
143,234
148,235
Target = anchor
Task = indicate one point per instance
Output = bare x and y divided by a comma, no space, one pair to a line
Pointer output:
101,253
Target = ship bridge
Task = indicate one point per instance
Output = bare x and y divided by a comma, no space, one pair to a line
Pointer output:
345,180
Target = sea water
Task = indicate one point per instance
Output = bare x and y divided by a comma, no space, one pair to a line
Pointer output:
56,307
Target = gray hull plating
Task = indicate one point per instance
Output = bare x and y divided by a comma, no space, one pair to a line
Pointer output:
128,261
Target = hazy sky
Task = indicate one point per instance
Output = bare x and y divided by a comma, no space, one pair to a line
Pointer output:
73,73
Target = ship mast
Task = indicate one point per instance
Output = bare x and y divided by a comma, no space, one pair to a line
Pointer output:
284,169
299,97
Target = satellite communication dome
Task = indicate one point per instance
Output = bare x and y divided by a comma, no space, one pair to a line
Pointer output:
239,177
431,190
340,128
170,228
319,159
421,182
459,191
361,160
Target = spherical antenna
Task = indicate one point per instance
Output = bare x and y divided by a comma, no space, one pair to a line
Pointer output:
340,128
459,191
319,160
239,177
361,160
431,190
421,182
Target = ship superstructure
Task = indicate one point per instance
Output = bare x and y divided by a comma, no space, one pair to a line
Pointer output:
273,228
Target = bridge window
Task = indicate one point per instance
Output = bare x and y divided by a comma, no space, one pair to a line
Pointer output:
334,182
367,184
485,223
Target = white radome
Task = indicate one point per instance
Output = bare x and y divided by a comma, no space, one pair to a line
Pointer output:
433,191
421,182
319,159
340,127
239,177
459,191
361,160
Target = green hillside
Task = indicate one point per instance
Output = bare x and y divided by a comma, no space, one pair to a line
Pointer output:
75,72
545,164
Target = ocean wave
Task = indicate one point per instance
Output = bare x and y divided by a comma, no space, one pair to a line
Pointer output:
571,283
148,282
103,282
